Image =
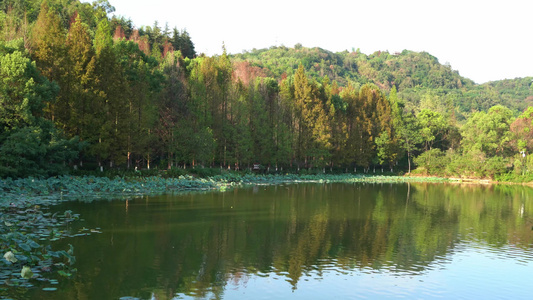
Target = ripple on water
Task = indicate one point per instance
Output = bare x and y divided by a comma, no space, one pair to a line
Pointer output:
470,270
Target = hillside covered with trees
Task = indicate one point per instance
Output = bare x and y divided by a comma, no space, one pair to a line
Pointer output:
418,77
80,89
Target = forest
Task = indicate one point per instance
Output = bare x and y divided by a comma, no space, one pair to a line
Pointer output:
81,89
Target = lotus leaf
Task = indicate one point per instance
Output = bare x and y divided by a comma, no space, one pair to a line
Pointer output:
25,247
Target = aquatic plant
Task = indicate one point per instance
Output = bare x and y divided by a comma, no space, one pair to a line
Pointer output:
26,272
26,231
53,189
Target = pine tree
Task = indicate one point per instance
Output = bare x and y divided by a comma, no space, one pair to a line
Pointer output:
172,106
85,111
302,96
314,135
110,85
354,129
49,51
182,41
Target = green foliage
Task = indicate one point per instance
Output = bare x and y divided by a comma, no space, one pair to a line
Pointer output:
18,101
433,128
432,162
29,145
25,234
495,166
181,41
473,164
36,151
488,132
405,70
419,77
139,98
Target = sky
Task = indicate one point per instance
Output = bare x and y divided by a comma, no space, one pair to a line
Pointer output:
483,40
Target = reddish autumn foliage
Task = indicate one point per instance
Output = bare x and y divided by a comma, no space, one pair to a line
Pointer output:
73,19
167,47
135,36
144,45
522,128
119,33
246,73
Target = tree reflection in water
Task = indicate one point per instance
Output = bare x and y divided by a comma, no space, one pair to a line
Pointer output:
197,244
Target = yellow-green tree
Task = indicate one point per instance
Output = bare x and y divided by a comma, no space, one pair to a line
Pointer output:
79,88
49,50
312,122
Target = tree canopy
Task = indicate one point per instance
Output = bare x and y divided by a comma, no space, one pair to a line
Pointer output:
82,89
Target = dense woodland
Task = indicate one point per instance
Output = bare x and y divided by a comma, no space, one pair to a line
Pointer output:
82,89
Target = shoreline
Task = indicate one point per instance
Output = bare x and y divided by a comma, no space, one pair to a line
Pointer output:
65,188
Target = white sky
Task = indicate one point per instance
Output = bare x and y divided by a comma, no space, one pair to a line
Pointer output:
484,40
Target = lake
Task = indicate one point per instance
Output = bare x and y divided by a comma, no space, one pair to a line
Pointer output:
304,241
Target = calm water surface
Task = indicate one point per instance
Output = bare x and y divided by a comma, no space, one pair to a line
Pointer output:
305,241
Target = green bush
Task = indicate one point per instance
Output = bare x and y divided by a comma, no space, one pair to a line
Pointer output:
174,173
470,164
36,151
495,166
513,177
205,172
433,161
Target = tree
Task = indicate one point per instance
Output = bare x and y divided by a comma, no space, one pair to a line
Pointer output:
372,116
29,144
49,51
182,41
14,23
314,131
432,128
410,136
406,130
79,87
20,102
488,132
522,131
102,38
172,104
385,150
109,85
261,129
142,82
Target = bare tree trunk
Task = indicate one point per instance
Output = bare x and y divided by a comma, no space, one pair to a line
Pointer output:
409,161
148,162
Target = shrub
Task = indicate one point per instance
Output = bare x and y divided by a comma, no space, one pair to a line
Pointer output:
433,161
495,166
174,173
205,172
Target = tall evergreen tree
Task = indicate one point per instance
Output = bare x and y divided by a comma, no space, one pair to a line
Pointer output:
182,41
109,85
49,51
79,88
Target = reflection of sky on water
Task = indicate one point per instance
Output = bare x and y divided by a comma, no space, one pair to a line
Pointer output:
307,241
473,271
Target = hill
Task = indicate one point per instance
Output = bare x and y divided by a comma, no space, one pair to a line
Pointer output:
421,80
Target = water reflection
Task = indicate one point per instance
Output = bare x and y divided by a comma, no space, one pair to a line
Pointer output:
292,238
